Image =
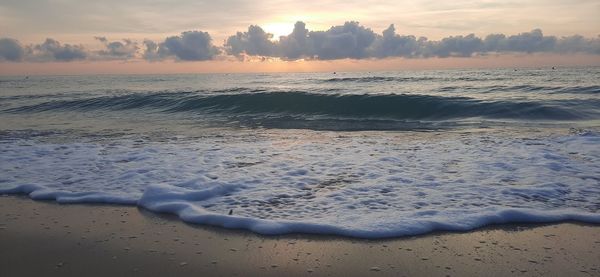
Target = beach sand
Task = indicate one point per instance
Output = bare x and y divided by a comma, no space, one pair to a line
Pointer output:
45,238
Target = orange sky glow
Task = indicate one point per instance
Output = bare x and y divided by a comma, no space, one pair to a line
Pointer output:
92,28
391,64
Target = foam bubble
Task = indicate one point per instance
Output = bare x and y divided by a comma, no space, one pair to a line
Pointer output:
369,185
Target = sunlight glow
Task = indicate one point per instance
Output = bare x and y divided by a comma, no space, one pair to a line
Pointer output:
278,29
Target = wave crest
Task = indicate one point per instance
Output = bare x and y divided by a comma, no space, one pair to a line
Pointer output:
299,104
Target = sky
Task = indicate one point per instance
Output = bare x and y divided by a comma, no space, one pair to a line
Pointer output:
175,36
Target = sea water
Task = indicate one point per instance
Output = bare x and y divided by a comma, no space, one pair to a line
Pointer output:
362,154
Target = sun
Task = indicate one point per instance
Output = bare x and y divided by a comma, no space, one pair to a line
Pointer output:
278,29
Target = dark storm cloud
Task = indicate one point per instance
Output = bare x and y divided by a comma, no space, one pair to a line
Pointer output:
115,50
10,50
52,50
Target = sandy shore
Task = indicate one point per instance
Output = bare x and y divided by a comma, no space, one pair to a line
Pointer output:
45,238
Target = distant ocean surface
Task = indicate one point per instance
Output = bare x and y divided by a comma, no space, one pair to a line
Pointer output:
369,154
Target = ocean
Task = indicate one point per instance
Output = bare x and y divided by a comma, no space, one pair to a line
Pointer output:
359,154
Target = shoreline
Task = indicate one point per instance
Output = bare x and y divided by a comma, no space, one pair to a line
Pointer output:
42,237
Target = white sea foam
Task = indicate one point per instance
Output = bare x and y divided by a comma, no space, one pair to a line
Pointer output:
358,184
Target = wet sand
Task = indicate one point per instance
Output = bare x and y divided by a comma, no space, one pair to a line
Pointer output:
45,238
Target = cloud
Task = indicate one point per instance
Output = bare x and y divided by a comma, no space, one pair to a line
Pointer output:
151,51
528,42
52,50
10,50
254,42
115,50
354,41
348,41
392,45
295,45
577,43
31,18
189,46
455,46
